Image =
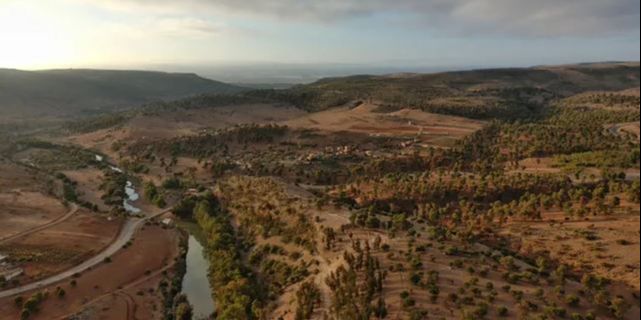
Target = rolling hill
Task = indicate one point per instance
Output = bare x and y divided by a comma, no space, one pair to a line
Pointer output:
73,92
490,93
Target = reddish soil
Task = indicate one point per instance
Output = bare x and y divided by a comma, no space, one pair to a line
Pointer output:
25,202
21,211
62,246
612,252
153,249
427,127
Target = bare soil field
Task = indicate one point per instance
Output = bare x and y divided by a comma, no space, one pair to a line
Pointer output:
21,211
631,128
17,178
139,301
62,246
427,127
607,246
537,165
125,288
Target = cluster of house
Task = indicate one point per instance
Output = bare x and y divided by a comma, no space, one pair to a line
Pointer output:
7,270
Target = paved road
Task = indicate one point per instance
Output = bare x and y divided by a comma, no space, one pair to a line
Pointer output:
126,234
74,209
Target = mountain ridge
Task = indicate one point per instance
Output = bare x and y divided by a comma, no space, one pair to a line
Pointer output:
64,92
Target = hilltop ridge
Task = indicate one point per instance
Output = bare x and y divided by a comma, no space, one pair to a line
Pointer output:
72,91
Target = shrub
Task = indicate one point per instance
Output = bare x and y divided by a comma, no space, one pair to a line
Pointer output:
19,301
503,311
572,300
60,292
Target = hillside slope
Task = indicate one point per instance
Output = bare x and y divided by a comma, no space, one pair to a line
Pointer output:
502,93
69,92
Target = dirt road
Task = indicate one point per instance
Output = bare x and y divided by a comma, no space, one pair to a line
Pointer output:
126,234
72,211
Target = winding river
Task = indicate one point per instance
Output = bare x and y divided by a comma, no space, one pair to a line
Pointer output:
195,284
132,196
130,190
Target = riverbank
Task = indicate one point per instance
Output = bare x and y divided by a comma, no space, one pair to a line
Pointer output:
195,283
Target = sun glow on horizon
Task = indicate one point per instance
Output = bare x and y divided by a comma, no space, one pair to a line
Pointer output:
46,34
31,39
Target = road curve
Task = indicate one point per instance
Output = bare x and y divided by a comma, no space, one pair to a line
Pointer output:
126,234
74,209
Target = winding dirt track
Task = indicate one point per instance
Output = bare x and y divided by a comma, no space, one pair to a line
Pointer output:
73,211
122,291
131,305
126,234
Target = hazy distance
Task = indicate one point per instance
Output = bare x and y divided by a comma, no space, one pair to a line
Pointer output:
286,41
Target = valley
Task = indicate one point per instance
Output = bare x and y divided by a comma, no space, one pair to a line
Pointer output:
485,194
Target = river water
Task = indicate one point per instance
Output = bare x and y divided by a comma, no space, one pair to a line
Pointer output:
195,284
130,190
132,196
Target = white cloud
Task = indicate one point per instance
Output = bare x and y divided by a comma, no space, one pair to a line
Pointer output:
185,26
511,17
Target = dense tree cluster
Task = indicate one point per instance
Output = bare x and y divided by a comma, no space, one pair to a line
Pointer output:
566,131
113,188
176,306
357,288
96,123
208,144
237,294
153,195
609,99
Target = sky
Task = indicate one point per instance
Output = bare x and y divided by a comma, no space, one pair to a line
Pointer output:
38,34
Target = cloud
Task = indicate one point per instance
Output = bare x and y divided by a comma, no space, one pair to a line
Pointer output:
470,17
185,27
